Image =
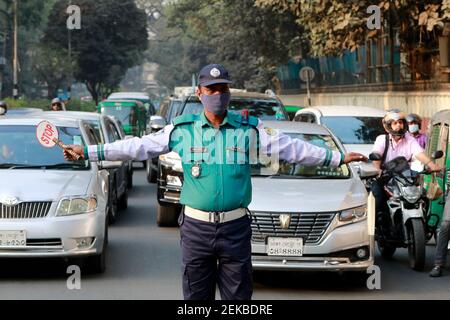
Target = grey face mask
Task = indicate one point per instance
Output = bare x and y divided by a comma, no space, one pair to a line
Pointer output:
216,103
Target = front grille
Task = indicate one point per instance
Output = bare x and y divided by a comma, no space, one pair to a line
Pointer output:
44,242
25,210
309,226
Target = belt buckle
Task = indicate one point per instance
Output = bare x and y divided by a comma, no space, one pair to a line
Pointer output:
217,216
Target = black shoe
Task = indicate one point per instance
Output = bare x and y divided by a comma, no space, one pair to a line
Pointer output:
436,271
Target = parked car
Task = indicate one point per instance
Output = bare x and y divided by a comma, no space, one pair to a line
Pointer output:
309,218
170,172
106,130
51,207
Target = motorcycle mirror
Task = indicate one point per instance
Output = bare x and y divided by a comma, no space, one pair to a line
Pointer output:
374,156
437,154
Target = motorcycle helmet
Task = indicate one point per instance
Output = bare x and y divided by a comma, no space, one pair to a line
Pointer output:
390,117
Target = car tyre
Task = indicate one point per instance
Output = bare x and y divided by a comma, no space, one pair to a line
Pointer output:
123,201
113,206
167,216
151,173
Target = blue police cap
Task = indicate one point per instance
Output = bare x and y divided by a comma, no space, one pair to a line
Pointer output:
213,74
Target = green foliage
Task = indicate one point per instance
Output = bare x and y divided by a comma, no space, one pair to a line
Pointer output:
112,39
44,104
250,41
338,25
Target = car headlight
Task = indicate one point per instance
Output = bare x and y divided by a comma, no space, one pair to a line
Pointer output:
174,181
411,193
353,215
171,160
76,205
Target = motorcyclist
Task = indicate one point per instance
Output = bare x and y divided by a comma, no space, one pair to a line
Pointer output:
395,143
414,126
3,108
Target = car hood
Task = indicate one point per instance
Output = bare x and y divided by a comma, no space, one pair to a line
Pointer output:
306,195
365,149
38,185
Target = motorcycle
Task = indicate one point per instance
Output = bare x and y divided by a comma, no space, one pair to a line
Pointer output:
402,224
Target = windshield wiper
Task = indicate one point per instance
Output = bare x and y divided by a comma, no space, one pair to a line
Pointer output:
43,166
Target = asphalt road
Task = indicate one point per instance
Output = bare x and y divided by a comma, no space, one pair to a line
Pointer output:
143,262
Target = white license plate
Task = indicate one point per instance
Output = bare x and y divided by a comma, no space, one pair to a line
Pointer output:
13,238
285,247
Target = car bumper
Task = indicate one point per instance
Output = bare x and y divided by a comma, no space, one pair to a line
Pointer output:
335,252
169,194
57,236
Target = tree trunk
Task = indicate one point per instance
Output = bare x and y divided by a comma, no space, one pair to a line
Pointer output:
93,89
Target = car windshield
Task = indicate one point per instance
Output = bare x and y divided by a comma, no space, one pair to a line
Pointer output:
284,169
126,115
355,130
262,109
19,148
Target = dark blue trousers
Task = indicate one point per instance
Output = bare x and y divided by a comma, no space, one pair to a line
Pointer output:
216,254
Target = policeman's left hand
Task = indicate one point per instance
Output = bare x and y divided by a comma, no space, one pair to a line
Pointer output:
354,156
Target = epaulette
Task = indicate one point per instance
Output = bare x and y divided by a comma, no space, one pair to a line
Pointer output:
184,119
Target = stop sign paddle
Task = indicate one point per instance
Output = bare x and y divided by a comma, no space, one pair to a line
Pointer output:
48,136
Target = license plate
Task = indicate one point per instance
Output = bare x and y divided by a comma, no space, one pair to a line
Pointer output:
285,247
13,238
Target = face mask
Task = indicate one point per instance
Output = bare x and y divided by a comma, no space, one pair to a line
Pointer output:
414,128
216,103
2,110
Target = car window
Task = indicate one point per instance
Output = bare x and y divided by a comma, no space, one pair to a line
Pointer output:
306,117
19,146
284,169
174,109
127,115
262,109
91,135
355,130
96,130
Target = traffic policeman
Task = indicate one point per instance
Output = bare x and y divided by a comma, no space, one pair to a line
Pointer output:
216,151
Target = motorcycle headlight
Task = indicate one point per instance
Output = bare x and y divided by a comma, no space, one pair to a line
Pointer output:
76,205
353,215
171,160
411,193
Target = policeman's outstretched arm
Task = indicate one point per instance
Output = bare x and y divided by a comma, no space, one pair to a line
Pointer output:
298,151
138,149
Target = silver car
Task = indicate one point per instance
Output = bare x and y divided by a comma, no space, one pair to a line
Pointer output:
50,207
309,218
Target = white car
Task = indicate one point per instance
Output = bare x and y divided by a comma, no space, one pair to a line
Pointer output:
309,218
357,127
50,207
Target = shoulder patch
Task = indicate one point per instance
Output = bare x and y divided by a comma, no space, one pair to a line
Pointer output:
187,118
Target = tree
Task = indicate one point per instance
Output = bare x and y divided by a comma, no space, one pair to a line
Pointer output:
52,66
250,41
338,25
112,39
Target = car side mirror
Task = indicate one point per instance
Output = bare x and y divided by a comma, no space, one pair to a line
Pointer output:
156,123
109,165
375,156
437,155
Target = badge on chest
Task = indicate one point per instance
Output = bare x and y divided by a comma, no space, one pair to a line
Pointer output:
196,170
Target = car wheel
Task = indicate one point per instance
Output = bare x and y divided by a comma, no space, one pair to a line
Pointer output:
151,173
113,208
123,201
144,163
130,180
97,263
167,216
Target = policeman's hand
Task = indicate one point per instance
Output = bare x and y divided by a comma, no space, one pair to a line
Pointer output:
353,156
75,148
